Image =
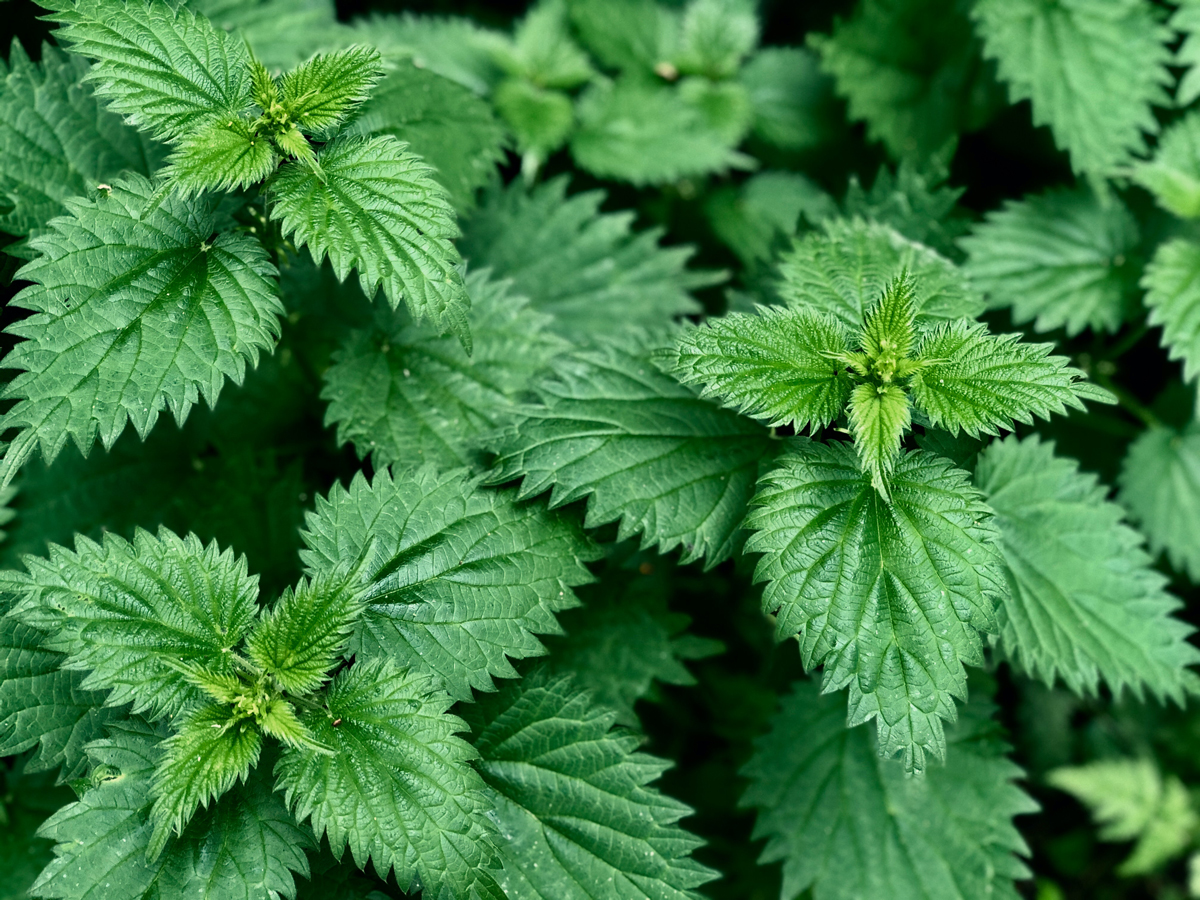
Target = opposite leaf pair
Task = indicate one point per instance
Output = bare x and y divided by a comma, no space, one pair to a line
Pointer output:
149,296
228,674
796,366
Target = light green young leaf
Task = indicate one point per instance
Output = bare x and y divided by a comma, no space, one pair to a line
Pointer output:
457,578
1084,603
542,50
540,119
588,268
1160,486
790,97
879,417
1131,801
400,788
645,451
376,208
1172,285
453,47
210,752
724,105
637,131
133,311
1062,259
888,331
130,613
1173,175
756,218
44,705
319,94
165,69
911,70
303,635
887,595
1186,20
245,847
849,825
577,817
56,140
452,129
778,365
982,383
843,271
402,393
715,36
220,156
282,33
1091,68
630,35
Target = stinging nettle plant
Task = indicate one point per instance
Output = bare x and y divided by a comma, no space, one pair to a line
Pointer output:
420,584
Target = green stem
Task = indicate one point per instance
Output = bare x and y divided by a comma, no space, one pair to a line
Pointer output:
1127,401
1121,347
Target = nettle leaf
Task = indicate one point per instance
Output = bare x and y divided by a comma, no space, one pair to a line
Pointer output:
1172,285
451,128
165,69
879,417
889,596
321,92
399,788
542,51
541,120
1091,68
245,847
1160,486
1186,20
790,96
759,216
715,36
457,578
981,383
637,131
451,46
282,33
644,450
402,393
1084,602
220,156
778,365
1063,259
624,639
577,817
131,613
915,200
911,70
56,139
1173,175
134,310
847,824
44,705
301,638
633,35
1130,800
843,272
588,268
376,208
206,756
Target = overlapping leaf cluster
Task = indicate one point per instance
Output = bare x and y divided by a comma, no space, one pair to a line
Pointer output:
144,297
